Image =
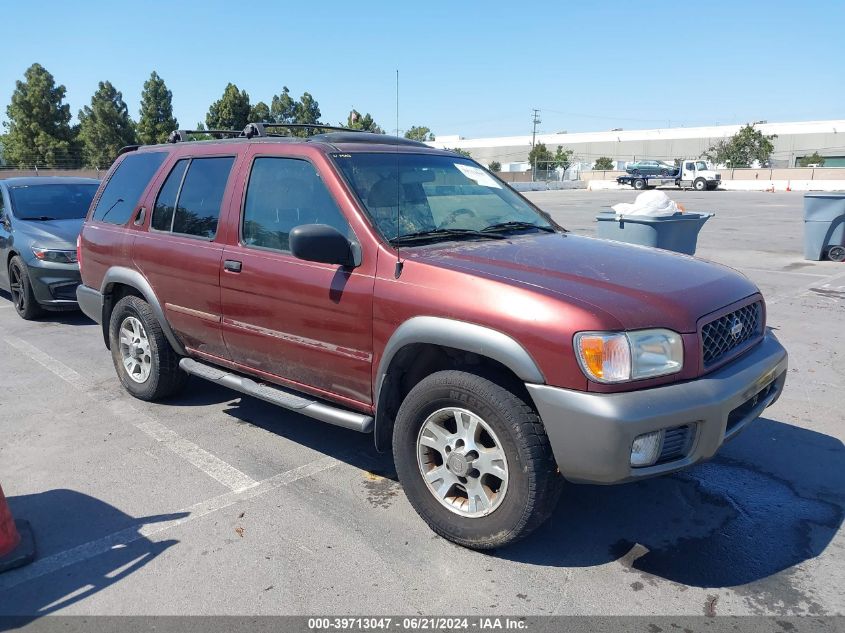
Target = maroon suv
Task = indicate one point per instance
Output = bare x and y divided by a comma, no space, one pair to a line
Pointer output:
390,288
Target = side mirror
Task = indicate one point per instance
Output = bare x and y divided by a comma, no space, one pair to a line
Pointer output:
323,243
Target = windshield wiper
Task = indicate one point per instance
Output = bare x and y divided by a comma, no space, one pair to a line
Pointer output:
433,234
40,218
516,225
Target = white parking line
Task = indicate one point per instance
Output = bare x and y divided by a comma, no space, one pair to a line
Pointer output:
211,465
125,537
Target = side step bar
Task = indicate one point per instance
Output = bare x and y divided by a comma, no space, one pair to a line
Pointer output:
280,397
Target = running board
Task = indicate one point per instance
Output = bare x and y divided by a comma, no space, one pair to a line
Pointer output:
280,397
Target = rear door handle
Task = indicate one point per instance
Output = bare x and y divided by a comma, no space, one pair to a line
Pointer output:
232,265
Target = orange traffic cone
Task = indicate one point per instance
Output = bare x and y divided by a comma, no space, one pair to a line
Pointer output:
17,547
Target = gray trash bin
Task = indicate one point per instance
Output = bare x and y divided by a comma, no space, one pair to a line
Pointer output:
678,232
824,225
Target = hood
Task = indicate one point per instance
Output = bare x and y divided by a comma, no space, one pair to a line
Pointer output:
60,234
640,287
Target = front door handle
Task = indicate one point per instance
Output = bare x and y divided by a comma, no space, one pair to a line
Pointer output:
232,265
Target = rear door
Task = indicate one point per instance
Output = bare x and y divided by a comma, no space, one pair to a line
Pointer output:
180,253
307,324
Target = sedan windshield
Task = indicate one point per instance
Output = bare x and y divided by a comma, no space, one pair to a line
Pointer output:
52,202
425,197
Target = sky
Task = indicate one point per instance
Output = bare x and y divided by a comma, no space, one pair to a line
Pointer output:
465,67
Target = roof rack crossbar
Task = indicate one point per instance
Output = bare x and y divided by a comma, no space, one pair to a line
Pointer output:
259,128
179,136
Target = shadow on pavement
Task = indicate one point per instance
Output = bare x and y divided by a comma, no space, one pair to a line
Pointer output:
84,545
771,499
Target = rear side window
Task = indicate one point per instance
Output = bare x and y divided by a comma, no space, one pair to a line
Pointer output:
190,199
284,193
166,201
124,188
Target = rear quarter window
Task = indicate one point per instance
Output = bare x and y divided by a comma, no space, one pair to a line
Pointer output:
125,186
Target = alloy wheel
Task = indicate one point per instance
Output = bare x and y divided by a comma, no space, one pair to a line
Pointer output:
462,462
135,349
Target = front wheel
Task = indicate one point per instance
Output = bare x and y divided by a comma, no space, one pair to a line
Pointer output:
143,358
20,289
700,184
474,460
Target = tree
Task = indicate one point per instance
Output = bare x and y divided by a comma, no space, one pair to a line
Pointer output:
260,113
459,151
540,157
813,159
603,163
157,121
419,133
307,110
563,157
230,112
357,122
495,166
743,148
283,107
105,126
39,131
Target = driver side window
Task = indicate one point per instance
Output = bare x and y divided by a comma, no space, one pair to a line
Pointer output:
284,193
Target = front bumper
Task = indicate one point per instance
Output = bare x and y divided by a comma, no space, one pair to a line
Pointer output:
591,433
54,285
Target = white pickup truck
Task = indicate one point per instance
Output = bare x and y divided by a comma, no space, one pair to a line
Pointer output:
693,173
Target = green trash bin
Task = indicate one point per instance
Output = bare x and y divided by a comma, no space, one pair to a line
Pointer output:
824,226
678,232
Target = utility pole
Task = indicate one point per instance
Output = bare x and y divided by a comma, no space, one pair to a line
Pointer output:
536,121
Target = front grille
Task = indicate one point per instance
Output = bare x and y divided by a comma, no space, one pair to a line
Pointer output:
724,335
676,443
64,292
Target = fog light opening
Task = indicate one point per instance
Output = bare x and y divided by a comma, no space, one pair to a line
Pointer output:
646,448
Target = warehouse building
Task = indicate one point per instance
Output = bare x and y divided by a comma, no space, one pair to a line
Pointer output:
794,141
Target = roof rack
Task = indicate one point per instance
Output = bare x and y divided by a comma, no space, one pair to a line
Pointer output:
260,129
179,136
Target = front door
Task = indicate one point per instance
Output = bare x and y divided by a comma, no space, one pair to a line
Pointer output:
305,324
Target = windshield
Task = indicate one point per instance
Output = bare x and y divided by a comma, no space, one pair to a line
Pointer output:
432,192
52,202
701,165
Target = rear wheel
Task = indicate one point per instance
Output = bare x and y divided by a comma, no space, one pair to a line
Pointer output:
639,184
700,184
474,460
836,254
143,358
20,287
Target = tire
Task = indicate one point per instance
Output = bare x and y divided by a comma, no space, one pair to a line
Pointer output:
664,172
20,287
836,254
639,184
155,371
635,172
506,426
700,184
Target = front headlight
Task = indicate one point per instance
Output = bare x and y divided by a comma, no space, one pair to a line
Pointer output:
611,357
54,255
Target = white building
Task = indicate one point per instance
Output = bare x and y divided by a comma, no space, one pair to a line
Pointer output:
794,141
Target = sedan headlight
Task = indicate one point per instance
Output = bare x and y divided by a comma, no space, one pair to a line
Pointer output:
611,357
54,255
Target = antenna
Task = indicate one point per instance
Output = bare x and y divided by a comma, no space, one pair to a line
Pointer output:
397,271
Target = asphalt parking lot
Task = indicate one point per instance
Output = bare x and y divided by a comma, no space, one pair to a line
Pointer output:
214,503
